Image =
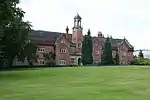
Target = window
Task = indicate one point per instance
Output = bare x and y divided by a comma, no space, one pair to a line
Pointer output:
62,41
97,52
96,44
124,53
41,49
62,50
79,44
96,62
21,63
72,61
41,62
128,54
62,62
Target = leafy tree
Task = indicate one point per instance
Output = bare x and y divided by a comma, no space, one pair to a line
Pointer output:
117,59
107,58
7,15
14,40
29,53
141,61
141,54
14,30
50,58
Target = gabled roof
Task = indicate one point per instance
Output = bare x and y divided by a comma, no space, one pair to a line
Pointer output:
128,44
39,36
47,37
115,42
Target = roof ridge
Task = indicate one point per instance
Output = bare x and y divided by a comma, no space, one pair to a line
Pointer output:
47,31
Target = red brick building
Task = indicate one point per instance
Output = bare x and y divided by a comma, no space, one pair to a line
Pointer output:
68,47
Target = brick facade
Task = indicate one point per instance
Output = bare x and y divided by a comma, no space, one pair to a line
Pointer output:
68,47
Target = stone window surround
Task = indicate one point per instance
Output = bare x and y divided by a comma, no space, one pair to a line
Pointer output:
62,62
73,61
41,62
63,50
41,49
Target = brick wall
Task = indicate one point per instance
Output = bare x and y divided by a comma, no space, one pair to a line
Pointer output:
62,51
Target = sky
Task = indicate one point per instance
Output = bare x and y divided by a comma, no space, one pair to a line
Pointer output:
118,18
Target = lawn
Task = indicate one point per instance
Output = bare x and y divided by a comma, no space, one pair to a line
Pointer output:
76,83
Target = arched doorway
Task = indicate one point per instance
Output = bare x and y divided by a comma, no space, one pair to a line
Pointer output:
79,61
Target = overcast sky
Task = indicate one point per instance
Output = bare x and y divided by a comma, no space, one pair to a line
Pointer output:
119,18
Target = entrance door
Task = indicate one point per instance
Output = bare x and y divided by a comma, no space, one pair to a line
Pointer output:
79,61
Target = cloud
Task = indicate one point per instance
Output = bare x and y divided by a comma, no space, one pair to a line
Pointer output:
119,18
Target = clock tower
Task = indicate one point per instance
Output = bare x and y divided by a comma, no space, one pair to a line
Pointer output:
77,31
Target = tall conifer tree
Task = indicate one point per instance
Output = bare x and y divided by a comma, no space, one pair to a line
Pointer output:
107,58
90,48
87,48
84,50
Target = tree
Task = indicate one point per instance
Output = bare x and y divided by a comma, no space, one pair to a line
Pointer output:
84,50
29,53
141,61
14,40
50,58
87,48
107,58
15,30
8,12
90,48
116,58
141,54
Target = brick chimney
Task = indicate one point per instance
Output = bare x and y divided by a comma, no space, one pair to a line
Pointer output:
67,33
100,35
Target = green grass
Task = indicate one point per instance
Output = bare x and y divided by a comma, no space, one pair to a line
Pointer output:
76,83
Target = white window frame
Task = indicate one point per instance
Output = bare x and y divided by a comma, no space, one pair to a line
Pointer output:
41,49
63,50
41,62
98,52
62,62
73,61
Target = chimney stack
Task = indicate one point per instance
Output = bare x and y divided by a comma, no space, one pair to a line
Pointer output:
100,34
67,33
